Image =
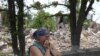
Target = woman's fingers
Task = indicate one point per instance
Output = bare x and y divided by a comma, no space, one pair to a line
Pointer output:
47,44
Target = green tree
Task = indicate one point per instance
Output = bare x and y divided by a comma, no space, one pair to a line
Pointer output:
42,19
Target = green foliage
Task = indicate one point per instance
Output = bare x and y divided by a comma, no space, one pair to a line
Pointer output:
55,3
66,20
42,19
98,0
59,13
87,23
5,21
37,5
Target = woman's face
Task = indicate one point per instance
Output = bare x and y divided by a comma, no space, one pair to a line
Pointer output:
44,38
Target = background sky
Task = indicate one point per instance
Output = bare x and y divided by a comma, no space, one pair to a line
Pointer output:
53,10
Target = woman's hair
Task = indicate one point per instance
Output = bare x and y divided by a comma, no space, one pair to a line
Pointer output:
40,32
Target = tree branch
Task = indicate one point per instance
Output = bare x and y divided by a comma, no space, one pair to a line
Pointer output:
57,15
82,12
45,6
60,15
89,7
58,4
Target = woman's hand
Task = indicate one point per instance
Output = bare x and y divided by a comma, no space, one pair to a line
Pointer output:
47,44
47,47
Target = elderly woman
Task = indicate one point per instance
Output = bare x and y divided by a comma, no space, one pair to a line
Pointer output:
42,46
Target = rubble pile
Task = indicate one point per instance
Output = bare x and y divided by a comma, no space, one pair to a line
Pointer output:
60,39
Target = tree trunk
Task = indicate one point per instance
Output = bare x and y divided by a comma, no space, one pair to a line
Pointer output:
20,28
12,20
73,22
76,25
76,38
